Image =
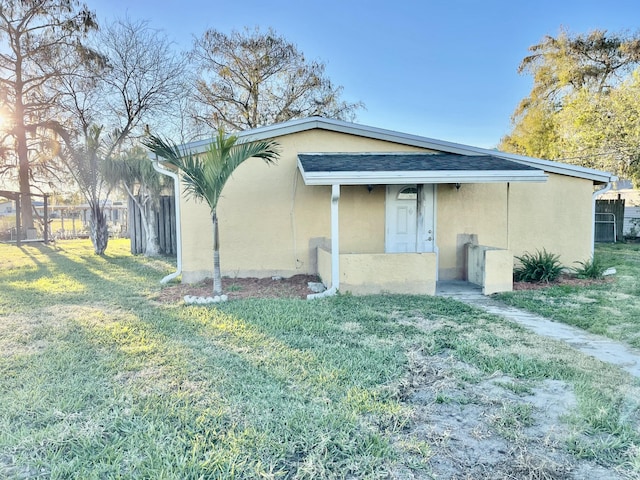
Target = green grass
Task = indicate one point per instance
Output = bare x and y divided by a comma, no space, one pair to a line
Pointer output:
99,380
609,309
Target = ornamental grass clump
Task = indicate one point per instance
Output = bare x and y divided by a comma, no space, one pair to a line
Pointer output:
592,268
539,267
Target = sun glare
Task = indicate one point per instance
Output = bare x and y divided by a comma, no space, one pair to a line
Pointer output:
4,120
5,117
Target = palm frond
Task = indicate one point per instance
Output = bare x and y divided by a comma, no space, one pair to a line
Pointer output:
188,165
206,175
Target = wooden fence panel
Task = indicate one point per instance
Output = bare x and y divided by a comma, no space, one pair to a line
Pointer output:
165,227
168,220
609,221
160,225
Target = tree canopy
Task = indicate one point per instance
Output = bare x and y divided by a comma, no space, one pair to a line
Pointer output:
74,94
139,75
252,78
44,46
584,106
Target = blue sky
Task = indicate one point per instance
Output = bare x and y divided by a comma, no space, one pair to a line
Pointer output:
441,69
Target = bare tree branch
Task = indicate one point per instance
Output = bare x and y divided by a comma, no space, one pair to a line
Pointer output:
249,79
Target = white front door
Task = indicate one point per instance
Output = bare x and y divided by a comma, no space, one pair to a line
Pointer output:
409,222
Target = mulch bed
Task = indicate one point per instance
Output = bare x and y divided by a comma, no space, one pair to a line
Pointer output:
234,288
562,280
297,287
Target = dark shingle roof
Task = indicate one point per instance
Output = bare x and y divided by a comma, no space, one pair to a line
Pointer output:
396,162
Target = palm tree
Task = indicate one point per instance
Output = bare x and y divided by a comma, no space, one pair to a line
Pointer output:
84,158
205,176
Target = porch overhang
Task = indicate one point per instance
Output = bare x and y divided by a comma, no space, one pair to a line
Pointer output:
420,168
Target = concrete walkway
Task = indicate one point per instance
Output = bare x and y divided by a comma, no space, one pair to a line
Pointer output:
594,345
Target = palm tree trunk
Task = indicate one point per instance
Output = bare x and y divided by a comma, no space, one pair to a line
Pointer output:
99,230
217,276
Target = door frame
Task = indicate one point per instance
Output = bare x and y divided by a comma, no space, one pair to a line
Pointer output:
425,216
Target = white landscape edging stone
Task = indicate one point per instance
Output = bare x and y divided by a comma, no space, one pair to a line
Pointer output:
192,299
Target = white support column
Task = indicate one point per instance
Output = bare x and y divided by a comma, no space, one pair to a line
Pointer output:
420,213
335,246
335,237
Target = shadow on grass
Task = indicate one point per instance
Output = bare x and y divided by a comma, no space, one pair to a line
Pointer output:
126,386
77,276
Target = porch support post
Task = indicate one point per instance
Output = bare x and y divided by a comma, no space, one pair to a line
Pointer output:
335,237
420,219
335,247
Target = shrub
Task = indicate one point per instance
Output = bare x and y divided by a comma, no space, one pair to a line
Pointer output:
592,268
539,267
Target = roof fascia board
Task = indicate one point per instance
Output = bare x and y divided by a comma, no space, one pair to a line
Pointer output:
397,178
560,168
263,133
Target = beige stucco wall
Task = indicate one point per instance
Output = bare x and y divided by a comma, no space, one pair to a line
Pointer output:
364,274
473,209
491,268
557,216
520,217
498,272
268,215
324,266
370,273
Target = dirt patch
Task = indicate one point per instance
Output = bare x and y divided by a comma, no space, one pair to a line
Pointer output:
235,288
491,428
562,280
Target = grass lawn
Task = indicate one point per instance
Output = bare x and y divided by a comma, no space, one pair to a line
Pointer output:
100,380
609,309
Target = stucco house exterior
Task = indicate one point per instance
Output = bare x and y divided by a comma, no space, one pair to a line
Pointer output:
371,210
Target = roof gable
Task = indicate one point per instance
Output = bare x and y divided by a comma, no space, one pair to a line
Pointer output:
305,124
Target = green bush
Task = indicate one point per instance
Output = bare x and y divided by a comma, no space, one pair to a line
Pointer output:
592,268
539,267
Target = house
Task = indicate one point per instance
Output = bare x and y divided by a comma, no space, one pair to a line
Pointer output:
372,210
7,207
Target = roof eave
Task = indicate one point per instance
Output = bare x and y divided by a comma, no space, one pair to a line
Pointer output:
426,177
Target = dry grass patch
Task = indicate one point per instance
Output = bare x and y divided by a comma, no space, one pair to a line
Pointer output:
28,335
484,430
